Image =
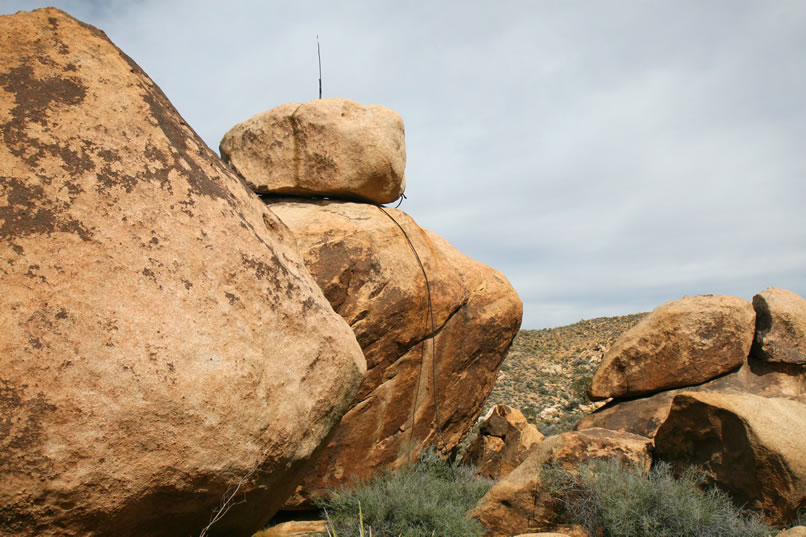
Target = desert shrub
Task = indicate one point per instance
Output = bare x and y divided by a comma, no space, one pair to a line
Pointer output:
610,500
425,499
580,386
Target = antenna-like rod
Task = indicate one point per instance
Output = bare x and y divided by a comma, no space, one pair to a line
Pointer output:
319,54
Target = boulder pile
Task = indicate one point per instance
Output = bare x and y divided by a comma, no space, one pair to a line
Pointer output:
709,380
434,324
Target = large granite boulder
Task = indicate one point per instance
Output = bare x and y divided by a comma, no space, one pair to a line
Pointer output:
681,343
363,261
780,326
161,341
504,440
519,503
330,147
750,446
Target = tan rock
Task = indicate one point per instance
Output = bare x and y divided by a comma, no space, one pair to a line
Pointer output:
797,531
368,271
505,439
780,326
160,338
295,528
518,504
329,147
644,415
750,446
681,343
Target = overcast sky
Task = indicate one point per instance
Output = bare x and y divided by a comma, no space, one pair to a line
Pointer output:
607,156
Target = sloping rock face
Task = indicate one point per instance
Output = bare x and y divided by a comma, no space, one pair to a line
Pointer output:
505,439
645,414
329,147
146,296
681,343
750,446
781,326
367,269
518,504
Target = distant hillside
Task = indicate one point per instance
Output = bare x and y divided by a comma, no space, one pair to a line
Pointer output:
547,372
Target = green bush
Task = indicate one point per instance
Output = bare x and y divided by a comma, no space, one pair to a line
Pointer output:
610,500
429,498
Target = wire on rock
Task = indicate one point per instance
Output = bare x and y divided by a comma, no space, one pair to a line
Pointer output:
430,334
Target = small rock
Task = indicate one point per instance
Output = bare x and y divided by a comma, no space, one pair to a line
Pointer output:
780,326
505,439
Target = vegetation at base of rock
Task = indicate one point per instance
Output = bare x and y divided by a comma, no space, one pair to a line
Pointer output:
547,372
425,499
610,500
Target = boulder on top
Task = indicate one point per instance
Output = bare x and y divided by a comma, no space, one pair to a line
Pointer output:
780,326
505,439
680,343
361,258
326,148
750,446
519,503
146,295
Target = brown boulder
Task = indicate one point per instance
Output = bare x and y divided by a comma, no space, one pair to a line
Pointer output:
505,439
797,531
329,147
681,343
750,446
160,338
519,504
645,414
363,262
780,326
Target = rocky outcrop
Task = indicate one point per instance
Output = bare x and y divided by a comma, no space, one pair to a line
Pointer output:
645,414
781,326
681,343
504,440
750,446
366,267
797,531
519,504
161,340
329,147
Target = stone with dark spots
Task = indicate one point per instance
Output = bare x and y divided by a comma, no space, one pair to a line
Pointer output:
132,330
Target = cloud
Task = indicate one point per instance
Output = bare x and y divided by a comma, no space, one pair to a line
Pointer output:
605,156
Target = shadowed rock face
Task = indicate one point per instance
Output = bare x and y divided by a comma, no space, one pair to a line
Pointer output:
364,264
146,295
505,439
781,326
681,343
751,446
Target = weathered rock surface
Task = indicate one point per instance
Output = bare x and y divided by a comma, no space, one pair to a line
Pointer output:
681,343
295,528
797,531
329,147
160,337
645,414
505,439
364,264
751,446
780,326
518,504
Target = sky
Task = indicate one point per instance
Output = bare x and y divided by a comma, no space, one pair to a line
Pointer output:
606,156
